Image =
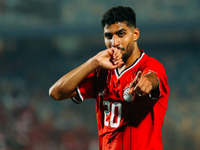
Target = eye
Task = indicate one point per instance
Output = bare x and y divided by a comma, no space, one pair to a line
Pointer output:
121,34
108,36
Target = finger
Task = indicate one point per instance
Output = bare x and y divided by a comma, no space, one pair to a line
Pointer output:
148,90
136,79
138,76
138,90
117,53
118,63
110,52
143,87
140,85
144,90
132,85
140,93
131,90
116,59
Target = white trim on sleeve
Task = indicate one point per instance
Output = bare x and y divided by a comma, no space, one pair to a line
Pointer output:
79,94
80,100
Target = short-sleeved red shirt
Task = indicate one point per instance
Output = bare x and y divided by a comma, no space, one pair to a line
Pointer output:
127,121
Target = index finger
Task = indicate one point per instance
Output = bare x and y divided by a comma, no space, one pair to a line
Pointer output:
110,51
137,77
135,81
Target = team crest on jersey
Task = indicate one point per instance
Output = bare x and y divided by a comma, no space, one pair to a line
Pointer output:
128,97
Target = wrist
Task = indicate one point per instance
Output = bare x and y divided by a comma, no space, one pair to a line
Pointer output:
155,94
94,63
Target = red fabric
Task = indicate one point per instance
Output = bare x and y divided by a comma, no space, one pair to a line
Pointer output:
127,122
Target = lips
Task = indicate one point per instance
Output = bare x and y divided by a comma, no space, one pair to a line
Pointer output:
120,48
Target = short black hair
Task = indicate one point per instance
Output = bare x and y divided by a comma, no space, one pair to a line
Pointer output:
119,14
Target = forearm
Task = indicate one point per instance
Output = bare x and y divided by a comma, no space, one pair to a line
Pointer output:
65,87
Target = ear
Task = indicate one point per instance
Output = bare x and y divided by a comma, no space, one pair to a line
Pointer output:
136,34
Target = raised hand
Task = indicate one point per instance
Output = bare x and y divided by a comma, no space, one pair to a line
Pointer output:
109,58
142,84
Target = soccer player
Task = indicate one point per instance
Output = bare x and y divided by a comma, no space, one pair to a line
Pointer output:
130,88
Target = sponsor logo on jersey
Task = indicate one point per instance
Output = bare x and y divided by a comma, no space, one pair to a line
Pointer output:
128,97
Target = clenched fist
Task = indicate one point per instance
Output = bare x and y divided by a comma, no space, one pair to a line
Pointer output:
143,84
109,58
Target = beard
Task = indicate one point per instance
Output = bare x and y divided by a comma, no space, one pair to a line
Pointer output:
126,55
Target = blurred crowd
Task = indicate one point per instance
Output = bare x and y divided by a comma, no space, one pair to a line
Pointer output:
29,118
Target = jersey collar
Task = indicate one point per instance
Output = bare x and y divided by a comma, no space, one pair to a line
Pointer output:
131,66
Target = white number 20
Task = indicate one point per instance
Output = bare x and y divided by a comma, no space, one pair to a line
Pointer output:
111,109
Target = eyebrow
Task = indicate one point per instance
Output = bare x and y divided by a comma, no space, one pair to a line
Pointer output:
121,30
107,33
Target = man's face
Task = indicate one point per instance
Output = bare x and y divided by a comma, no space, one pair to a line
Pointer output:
120,36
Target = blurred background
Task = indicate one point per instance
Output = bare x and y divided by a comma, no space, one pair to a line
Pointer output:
41,40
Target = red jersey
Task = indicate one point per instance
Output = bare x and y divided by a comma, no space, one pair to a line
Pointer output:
127,121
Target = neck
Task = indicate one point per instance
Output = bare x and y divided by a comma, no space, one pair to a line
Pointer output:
135,55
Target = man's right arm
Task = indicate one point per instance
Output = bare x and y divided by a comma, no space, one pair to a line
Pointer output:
65,87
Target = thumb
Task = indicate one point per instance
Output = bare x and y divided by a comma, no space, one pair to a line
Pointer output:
134,82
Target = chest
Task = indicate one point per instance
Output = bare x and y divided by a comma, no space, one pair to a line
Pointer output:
117,86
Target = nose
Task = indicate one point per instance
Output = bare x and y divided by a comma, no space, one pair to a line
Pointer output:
115,41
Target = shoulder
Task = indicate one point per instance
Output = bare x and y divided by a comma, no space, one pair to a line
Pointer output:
148,60
151,64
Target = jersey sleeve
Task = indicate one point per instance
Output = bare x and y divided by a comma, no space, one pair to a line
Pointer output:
91,86
152,65
86,89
